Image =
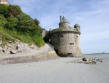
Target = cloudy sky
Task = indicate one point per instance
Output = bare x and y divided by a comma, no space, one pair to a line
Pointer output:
92,15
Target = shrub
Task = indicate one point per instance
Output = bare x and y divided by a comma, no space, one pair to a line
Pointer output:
24,28
3,21
25,23
38,40
36,21
14,10
12,23
4,9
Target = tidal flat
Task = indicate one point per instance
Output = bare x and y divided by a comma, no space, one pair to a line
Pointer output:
57,71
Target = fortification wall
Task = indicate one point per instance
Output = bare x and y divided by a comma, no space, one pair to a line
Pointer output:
67,43
65,39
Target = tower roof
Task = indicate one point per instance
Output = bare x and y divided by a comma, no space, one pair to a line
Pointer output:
4,2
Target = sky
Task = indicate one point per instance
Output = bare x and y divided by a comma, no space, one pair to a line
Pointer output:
91,15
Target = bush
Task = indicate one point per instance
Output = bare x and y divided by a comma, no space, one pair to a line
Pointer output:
25,23
24,28
36,21
14,10
12,23
3,21
4,9
38,40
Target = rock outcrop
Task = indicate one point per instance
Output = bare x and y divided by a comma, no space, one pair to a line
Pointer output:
21,52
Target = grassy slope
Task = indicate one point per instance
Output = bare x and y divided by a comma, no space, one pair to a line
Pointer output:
7,34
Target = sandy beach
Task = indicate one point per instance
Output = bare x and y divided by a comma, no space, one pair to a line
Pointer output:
56,71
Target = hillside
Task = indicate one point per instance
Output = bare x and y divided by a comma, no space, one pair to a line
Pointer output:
16,25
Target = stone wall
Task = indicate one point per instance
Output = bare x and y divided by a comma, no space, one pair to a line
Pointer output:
4,2
65,39
66,44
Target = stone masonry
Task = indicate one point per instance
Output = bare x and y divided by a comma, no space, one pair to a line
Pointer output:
65,39
4,2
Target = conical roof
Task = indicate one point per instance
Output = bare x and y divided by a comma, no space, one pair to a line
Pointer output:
4,2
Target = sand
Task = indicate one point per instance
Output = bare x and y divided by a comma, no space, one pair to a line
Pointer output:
56,71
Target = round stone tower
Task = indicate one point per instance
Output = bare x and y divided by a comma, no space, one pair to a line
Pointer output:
65,39
4,2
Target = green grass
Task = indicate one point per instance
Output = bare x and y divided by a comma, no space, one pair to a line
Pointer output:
12,35
16,25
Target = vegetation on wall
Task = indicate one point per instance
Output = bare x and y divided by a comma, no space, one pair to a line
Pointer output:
14,24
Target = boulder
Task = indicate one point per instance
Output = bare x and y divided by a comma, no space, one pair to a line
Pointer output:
13,52
84,59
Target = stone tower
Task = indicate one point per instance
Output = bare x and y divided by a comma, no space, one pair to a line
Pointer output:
4,2
65,39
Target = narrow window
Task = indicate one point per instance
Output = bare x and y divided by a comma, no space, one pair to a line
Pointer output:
71,43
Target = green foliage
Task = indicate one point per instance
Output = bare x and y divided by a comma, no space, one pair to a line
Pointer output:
3,21
14,24
36,21
4,36
25,24
38,40
14,10
4,9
